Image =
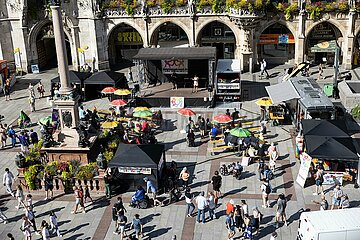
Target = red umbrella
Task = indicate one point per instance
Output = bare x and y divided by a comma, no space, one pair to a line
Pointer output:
118,103
108,90
222,118
186,112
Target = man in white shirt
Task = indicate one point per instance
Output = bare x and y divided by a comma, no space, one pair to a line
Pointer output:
202,204
8,180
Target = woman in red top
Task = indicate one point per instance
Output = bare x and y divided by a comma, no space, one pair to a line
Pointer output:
230,207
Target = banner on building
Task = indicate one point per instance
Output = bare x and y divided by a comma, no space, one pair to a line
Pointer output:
129,37
277,39
17,58
305,161
177,102
179,66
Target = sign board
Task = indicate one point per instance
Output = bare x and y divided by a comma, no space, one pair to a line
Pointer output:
35,68
129,37
135,170
17,57
325,46
305,161
179,66
332,178
277,39
228,86
177,102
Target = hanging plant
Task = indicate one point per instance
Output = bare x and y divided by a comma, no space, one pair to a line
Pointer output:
290,11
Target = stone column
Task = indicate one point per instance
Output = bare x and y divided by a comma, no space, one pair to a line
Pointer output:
348,48
63,66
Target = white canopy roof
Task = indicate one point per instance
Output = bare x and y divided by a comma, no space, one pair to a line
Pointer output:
228,66
282,92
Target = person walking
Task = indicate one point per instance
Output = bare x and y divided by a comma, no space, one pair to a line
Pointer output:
202,204
248,233
216,182
48,185
261,168
230,225
45,230
7,91
230,207
263,66
184,176
280,210
196,83
321,71
190,207
212,205
3,136
25,228
319,179
87,194
265,191
273,156
24,144
256,219
41,90
31,217
202,127
150,188
32,103
31,90
324,205
121,224
173,79
137,225
54,227
29,202
77,200
19,196
81,192
238,217
11,133
107,185
8,180
34,137
336,195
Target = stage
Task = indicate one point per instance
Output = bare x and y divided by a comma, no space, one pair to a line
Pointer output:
159,96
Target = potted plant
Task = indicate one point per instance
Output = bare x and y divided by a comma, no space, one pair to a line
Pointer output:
20,160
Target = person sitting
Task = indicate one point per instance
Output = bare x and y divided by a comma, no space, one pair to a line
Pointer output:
214,132
138,195
145,126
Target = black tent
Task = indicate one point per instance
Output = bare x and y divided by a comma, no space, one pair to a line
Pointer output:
75,77
330,128
176,53
331,148
138,161
100,80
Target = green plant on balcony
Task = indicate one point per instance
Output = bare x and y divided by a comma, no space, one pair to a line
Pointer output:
290,11
330,7
216,5
315,10
343,6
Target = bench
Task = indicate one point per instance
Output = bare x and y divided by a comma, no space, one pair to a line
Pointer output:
247,123
221,148
217,141
253,129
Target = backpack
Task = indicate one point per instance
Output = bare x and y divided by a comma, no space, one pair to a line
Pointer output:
267,189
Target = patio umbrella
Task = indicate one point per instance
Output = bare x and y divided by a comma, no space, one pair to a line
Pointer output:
240,132
142,114
108,90
109,124
222,118
122,92
137,109
118,103
186,112
45,120
265,101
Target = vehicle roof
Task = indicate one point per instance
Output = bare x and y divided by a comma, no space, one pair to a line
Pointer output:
341,219
228,66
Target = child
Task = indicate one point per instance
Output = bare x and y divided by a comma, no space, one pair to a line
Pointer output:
20,196
29,201
87,193
54,224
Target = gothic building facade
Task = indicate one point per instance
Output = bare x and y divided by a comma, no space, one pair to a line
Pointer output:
107,33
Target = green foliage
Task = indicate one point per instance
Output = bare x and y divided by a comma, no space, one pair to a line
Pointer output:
290,11
31,175
74,166
242,4
216,5
87,172
258,5
108,155
65,176
355,112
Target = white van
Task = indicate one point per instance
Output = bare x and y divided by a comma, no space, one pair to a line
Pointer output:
341,224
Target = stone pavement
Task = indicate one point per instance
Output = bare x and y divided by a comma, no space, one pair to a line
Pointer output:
164,222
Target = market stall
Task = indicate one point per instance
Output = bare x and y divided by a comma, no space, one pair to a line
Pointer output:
76,79
134,162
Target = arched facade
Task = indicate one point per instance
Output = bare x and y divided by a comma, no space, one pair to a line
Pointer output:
154,31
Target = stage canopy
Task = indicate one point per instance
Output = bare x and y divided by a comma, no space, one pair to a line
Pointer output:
105,78
75,77
282,92
176,53
330,128
331,148
131,155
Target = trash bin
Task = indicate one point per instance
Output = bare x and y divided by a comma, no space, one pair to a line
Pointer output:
328,90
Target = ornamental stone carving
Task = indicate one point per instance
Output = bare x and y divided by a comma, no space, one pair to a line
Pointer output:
85,5
14,5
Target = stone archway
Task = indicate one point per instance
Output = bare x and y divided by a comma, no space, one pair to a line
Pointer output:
322,32
218,34
124,41
169,34
42,45
276,43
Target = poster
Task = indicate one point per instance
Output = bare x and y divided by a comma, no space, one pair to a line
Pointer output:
135,170
81,57
177,102
35,68
179,66
305,161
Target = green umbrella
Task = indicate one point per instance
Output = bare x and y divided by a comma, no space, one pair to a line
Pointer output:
45,120
142,114
240,132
